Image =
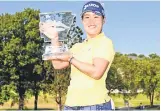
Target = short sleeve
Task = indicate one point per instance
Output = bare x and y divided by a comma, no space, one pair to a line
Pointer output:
104,50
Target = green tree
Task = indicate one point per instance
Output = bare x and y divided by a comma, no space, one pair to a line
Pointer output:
59,81
149,76
121,76
20,48
130,72
114,78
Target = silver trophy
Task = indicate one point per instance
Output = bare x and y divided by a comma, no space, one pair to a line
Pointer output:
64,21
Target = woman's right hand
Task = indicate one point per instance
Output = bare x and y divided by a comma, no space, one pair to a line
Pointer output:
49,29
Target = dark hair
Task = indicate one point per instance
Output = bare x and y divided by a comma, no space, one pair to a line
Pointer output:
83,15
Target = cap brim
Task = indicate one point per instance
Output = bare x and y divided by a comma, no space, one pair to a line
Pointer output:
97,13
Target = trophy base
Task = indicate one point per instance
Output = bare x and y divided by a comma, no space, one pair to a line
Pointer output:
54,55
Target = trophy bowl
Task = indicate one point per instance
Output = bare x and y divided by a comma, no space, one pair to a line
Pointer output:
63,22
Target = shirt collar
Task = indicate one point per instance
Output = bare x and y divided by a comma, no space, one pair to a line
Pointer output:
94,38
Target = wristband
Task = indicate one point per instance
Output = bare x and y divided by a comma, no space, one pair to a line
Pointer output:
70,59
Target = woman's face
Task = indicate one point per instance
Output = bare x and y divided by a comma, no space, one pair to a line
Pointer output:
92,23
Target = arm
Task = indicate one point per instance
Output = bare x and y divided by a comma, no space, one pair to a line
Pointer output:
95,70
59,64
102,56
49,30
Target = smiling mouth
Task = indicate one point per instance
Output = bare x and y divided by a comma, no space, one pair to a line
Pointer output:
92,26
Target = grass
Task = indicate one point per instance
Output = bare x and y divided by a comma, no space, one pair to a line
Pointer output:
50,104
133,102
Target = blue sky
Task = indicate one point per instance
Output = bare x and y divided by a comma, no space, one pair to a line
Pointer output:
133,26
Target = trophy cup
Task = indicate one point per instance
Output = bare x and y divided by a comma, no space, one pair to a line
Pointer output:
64,21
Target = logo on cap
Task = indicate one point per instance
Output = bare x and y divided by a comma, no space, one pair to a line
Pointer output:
91,5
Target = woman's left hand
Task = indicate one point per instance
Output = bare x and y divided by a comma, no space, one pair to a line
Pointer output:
64,57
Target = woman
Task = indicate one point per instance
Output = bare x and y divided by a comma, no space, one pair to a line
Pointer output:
90,62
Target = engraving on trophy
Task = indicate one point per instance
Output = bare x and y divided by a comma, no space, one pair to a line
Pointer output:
63,22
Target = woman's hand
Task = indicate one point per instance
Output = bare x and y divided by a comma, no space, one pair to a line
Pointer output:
64,57
49,29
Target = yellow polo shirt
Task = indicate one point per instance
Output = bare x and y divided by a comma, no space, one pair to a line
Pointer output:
84,90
